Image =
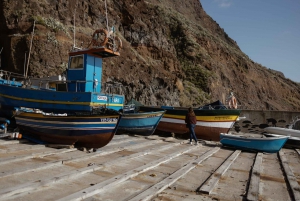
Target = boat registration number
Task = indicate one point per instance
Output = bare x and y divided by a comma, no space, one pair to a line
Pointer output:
102,98
109,119
222,118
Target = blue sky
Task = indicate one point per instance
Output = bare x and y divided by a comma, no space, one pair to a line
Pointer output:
268,31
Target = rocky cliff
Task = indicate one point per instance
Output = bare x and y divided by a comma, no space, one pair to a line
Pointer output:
173,52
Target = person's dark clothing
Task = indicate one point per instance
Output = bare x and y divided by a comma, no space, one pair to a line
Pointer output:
191,121
190,118
192,133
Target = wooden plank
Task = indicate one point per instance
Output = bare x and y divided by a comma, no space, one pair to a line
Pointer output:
71,159
7,142
30,168
4,135
43,154
19,148
60,146
123,140
116,137
253,190
110,183
108,150
162,185
34,155
209,185
292,180
24,188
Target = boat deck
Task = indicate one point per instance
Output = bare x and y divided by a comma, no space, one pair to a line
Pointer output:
146,168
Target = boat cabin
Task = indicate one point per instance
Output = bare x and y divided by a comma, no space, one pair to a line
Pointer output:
84,72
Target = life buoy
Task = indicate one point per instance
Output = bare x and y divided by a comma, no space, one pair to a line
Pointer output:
97,40
232,103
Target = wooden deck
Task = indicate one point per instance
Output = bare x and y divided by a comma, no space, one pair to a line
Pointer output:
155,168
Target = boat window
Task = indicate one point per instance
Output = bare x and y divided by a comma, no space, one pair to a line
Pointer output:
76,62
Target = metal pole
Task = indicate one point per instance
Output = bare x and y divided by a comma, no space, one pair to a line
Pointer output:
74,30
30,50
24,64
74,45
106,16
0,56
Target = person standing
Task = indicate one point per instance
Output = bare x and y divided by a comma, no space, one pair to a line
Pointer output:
190,120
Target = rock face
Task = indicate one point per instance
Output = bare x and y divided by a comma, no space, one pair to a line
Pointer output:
173,52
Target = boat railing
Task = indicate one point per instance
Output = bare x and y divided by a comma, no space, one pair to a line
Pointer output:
10,76
113,88
45,83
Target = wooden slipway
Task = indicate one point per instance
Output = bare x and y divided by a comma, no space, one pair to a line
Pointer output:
146,168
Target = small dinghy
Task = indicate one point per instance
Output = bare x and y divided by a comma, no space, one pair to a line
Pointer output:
243,142
283,131
292,142
292,130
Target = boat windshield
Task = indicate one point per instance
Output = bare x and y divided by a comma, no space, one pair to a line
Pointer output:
76,62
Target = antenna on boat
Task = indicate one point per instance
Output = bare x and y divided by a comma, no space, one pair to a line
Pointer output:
74,42
0,56
24,63
30,49
106,16
74,31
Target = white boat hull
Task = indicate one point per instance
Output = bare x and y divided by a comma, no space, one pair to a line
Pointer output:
283,131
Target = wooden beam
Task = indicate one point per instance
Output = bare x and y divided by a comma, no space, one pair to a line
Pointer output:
110,183
60,146
34,155
209,185
253,190
292,180
72,159
162,185
8,142
17,148
24,188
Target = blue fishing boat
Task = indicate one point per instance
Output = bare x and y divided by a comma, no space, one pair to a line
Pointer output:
140,123
79,89
79,129
269,145
74,108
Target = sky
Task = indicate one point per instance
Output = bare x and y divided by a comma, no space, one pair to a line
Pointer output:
268,31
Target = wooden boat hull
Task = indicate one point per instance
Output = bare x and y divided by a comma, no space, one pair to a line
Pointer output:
210,123
141,123
283,131
93,131
269,145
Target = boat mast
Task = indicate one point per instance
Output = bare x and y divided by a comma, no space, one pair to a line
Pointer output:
0,56
106,17
30,49
24,64
74,31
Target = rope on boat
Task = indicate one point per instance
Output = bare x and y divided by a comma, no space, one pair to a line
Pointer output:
106,15
30,49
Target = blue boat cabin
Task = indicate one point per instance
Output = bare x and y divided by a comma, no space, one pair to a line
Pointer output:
85,69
